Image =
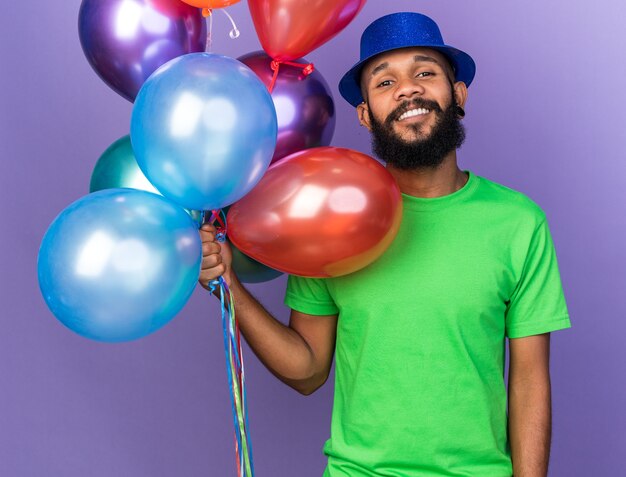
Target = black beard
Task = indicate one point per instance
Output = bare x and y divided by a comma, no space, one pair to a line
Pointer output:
447,135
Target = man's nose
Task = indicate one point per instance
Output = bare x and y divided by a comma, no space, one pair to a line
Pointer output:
407,88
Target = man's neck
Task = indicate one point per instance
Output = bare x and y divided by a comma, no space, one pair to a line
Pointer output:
431,182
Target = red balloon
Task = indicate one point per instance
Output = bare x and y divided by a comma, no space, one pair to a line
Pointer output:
322,212
290,29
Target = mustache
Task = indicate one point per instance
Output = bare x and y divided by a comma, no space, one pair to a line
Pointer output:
413,104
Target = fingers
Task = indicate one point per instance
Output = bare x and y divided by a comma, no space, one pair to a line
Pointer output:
212,263
211,273
211,270
211,259
208,233
210,247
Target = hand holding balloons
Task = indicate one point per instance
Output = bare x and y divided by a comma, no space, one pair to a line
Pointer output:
216,258
222,259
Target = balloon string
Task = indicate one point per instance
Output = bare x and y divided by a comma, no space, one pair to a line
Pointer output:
234,360
236,381
208,14
234,33
218,216
307,69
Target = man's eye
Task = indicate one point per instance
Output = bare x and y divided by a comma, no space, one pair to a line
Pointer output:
424,74
383,83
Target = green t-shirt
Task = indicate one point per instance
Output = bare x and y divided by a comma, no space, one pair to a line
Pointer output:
419,358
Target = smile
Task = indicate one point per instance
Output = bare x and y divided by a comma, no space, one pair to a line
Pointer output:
414,112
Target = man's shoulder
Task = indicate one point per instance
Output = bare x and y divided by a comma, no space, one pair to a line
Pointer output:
510,201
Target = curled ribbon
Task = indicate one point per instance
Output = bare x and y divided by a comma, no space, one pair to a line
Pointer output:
234,361
307,69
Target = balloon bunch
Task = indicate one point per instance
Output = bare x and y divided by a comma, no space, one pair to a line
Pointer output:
203,130
122,261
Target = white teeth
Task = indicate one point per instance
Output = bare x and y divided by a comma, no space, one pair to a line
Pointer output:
414,112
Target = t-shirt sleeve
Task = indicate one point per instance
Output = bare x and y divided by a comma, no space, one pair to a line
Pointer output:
537,304
310,296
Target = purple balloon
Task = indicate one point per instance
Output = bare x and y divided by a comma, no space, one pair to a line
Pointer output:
125,41
304,104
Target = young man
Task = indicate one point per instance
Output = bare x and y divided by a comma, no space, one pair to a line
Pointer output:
419,335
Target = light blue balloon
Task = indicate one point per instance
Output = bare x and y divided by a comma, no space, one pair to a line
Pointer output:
204,130
119,264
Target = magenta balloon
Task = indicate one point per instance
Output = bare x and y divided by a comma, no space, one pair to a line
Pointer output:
304,104
125,41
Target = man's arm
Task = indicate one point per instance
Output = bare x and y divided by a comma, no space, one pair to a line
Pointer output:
530,419
300,354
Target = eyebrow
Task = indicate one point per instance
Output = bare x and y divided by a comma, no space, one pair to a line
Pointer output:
416,59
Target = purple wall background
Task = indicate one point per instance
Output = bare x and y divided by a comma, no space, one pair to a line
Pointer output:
546,116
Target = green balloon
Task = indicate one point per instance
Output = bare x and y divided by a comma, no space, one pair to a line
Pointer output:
118,168
249,270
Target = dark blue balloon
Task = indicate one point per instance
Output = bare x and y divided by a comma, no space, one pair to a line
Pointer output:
119,264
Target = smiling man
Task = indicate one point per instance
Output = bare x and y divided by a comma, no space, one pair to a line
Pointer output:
417,131
419,336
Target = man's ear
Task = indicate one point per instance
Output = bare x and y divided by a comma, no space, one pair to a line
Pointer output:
363,113
460,93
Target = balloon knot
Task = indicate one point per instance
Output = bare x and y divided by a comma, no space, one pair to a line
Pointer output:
218,218
213,284
206,12
308,69
275,65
